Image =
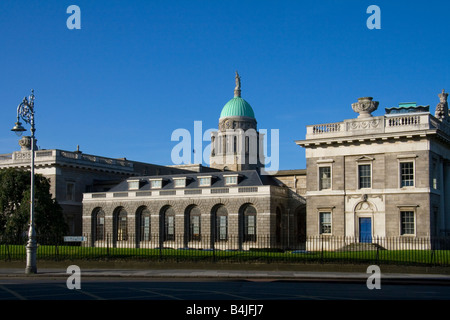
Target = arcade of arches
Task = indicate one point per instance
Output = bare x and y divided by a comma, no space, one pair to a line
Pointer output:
194,226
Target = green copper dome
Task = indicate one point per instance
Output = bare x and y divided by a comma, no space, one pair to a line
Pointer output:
237,107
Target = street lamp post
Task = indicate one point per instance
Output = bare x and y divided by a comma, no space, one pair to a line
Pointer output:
25,110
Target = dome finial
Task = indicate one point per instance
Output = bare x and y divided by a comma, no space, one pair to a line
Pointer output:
443,96
237,89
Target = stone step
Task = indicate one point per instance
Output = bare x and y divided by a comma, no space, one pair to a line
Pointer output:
361,246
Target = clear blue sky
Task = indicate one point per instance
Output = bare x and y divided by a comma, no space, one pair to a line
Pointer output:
138,70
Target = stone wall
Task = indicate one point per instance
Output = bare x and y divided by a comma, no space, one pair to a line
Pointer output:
385,198
265,206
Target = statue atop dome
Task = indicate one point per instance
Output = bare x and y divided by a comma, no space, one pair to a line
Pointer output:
442,108
237,89
236,145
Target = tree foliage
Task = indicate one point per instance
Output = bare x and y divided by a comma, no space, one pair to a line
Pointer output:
15,201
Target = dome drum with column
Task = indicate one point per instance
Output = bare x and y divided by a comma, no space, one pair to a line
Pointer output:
236,136
237,113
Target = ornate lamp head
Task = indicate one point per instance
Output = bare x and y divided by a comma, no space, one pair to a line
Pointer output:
25,110
18,128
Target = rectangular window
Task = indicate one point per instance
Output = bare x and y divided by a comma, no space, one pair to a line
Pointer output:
70,191
195,228
180,183
100,229
156,184
250,228
324,178
325,222
251,225
133,185
222,228
204,181
407,222
434,181
145,228
122,231
230,180
170,228
364,176
406,174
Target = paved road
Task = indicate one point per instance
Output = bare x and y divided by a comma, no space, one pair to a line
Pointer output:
209,289
177,293
105,284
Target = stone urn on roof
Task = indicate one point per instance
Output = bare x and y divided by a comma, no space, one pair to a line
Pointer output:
365,106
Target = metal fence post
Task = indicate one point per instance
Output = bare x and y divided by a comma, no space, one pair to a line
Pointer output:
9,254
214,250
160,249
56,252
414,251
321,254
107,245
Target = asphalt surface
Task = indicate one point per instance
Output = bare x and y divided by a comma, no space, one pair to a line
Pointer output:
229,274
178,291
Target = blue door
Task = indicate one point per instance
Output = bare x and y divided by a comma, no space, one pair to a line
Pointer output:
365,230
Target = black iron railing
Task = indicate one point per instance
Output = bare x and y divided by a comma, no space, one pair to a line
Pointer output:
386,250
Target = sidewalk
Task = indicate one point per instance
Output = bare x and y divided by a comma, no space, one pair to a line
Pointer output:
252,275
222,271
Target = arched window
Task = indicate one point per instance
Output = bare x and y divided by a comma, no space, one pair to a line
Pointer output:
143,227
221,223
213,145
121,225
249,213
98,217
169,224
194,218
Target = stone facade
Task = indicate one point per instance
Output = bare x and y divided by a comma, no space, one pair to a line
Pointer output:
237,145
277,214
384,176
256,209
73,173
366,178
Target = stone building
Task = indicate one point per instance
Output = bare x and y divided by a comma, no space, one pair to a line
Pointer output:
366,178
235,206
71,173
237,145
232,210
380,176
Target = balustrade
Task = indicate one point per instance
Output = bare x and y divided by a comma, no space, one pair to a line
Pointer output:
379,124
